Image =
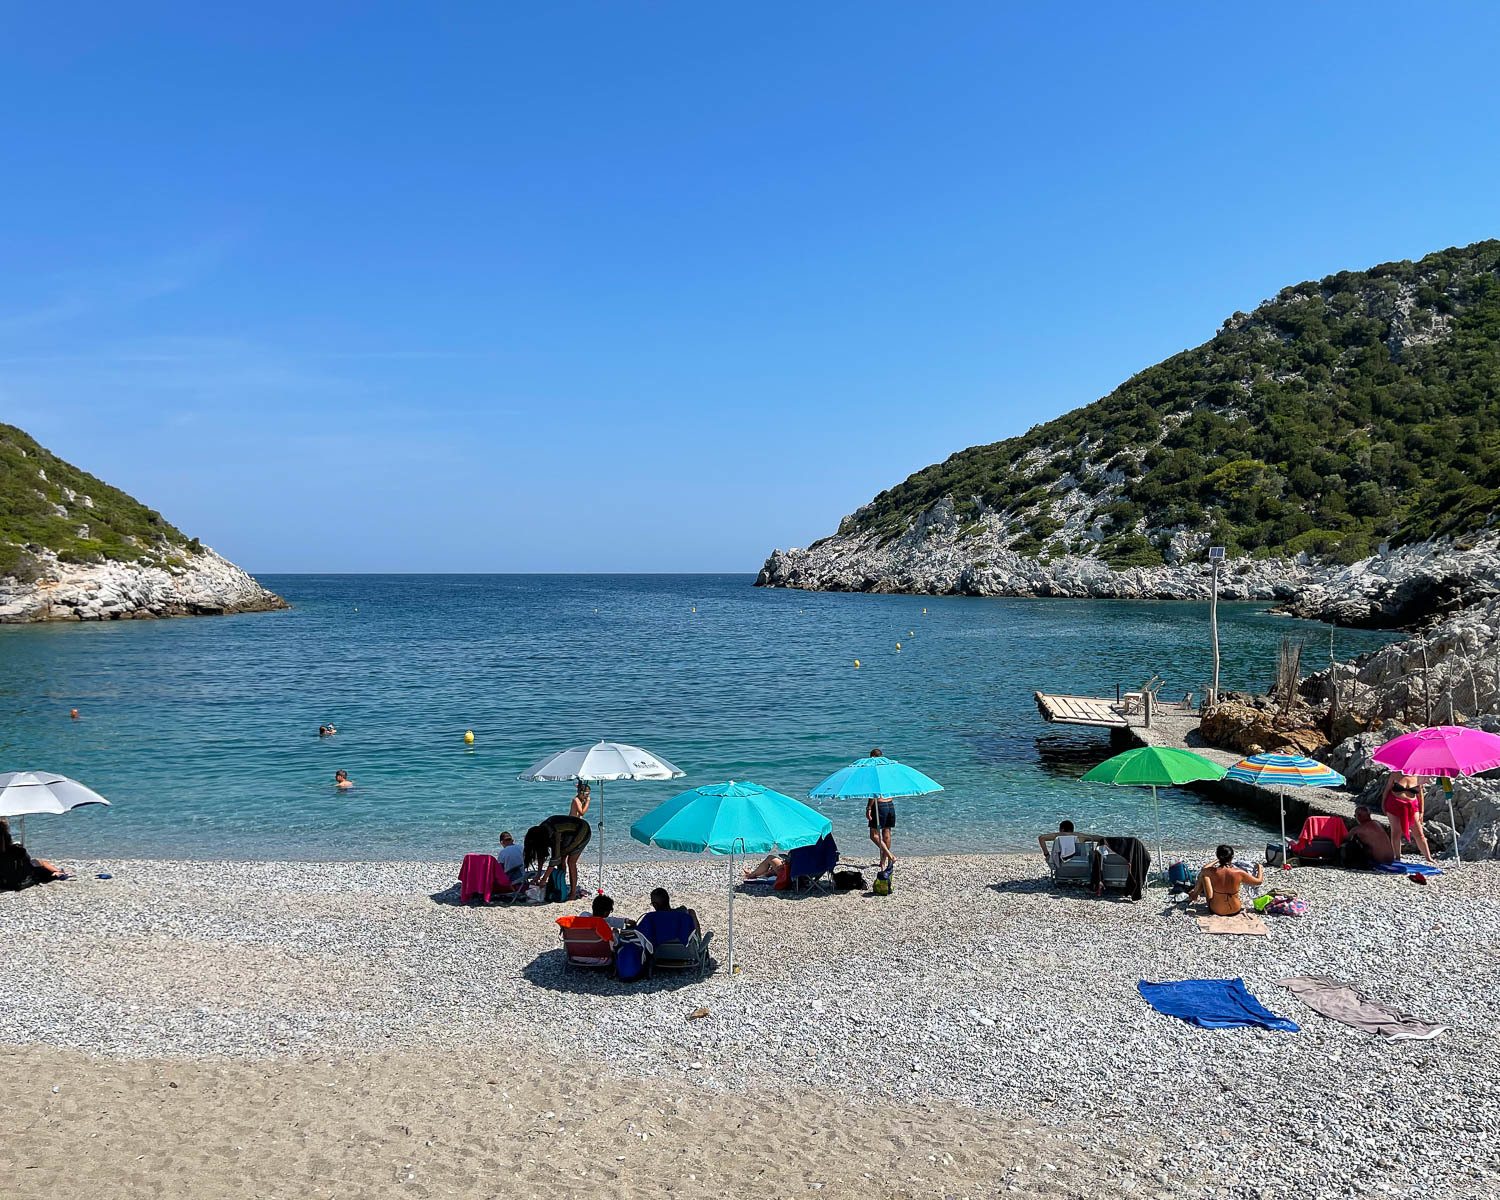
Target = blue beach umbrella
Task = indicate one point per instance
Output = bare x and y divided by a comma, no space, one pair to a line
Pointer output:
731,818
1282,771
866,778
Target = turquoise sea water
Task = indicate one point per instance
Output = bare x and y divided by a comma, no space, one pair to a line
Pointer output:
203,731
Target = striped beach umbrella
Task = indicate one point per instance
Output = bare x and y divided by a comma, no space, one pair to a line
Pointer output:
1282,771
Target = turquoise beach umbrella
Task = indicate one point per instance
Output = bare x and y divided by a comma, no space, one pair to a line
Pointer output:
731,818
866,778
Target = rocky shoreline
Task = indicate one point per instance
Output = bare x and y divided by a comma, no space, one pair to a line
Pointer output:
199,583
940,556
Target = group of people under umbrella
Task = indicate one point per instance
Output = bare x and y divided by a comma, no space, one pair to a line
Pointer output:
1442,751
736,817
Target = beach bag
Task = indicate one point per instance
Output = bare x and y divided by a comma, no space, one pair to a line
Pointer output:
1275,854
1286,905
1179,873
848,880
883,882
1320,849
630,962
557,886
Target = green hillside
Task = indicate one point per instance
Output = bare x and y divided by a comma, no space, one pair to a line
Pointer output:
47,502
1340,414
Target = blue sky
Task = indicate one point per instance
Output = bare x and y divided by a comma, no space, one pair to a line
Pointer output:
659,287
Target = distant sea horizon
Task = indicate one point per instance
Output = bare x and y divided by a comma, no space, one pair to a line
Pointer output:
203,731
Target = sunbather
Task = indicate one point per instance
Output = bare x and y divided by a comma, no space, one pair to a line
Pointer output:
1402,801
557,842
767,867
17,868
1369,838
1219,883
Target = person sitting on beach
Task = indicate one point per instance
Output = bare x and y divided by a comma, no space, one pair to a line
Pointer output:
604,908
1219,883
509,856
1402,802
667,924
557,842
1064,844
582,796
1368,841
17,868
768,867
341,780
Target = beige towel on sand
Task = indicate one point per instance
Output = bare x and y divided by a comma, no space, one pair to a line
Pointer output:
1244,924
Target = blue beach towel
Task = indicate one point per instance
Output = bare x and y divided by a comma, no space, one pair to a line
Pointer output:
1406,868
1212,1004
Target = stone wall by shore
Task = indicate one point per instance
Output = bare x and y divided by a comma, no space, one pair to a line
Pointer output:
940,556
205,584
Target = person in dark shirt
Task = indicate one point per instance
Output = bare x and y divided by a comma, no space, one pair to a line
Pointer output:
17,868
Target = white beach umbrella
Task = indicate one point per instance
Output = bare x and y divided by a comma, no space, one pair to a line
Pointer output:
597,763
23,792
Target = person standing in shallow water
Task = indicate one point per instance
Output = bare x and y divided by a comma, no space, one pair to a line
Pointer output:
341,780
880,812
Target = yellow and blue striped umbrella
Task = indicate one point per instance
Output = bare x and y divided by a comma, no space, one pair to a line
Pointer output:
1282,771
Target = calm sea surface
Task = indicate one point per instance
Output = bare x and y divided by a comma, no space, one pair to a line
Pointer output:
203,732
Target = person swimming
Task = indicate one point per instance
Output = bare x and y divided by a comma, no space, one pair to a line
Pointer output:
326,731
341,779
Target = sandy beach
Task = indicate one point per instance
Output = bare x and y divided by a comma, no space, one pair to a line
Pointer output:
267,1029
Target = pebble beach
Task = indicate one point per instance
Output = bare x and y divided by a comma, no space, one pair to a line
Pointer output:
194,1028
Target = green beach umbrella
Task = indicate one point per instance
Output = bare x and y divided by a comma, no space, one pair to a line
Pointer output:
1154,767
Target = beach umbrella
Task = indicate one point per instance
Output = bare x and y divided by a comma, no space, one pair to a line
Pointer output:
23,792
731,818
1281,771
866,778
1442,751
597,763
1154,767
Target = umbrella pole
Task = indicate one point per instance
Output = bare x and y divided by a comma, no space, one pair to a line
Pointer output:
731,914
1453,824
1161,855
601,837
1285,853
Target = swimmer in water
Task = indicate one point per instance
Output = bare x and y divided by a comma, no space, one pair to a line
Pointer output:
326,731
341,780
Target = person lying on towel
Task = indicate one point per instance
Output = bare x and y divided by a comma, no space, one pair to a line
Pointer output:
1219,883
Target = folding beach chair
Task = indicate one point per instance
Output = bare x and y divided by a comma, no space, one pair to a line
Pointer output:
584,946
675,942
478,877
811,868
1077,869
1321,840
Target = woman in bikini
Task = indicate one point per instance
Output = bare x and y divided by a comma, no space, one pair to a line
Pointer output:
1402,803
557,841
1219,885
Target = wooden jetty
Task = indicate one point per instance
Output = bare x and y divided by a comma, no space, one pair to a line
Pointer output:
1121,711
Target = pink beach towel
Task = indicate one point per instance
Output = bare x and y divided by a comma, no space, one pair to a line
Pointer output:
480,875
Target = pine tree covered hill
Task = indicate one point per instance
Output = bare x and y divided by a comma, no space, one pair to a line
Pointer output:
1343,413
51,504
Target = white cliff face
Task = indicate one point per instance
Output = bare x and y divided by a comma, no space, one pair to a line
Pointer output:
205,584
940,556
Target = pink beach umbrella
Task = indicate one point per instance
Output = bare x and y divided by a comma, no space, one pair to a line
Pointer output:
1442,752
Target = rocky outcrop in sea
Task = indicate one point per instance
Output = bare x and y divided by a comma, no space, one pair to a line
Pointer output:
940,555
197,584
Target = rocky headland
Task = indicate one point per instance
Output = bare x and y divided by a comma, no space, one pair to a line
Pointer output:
197,584
74,548
940,555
